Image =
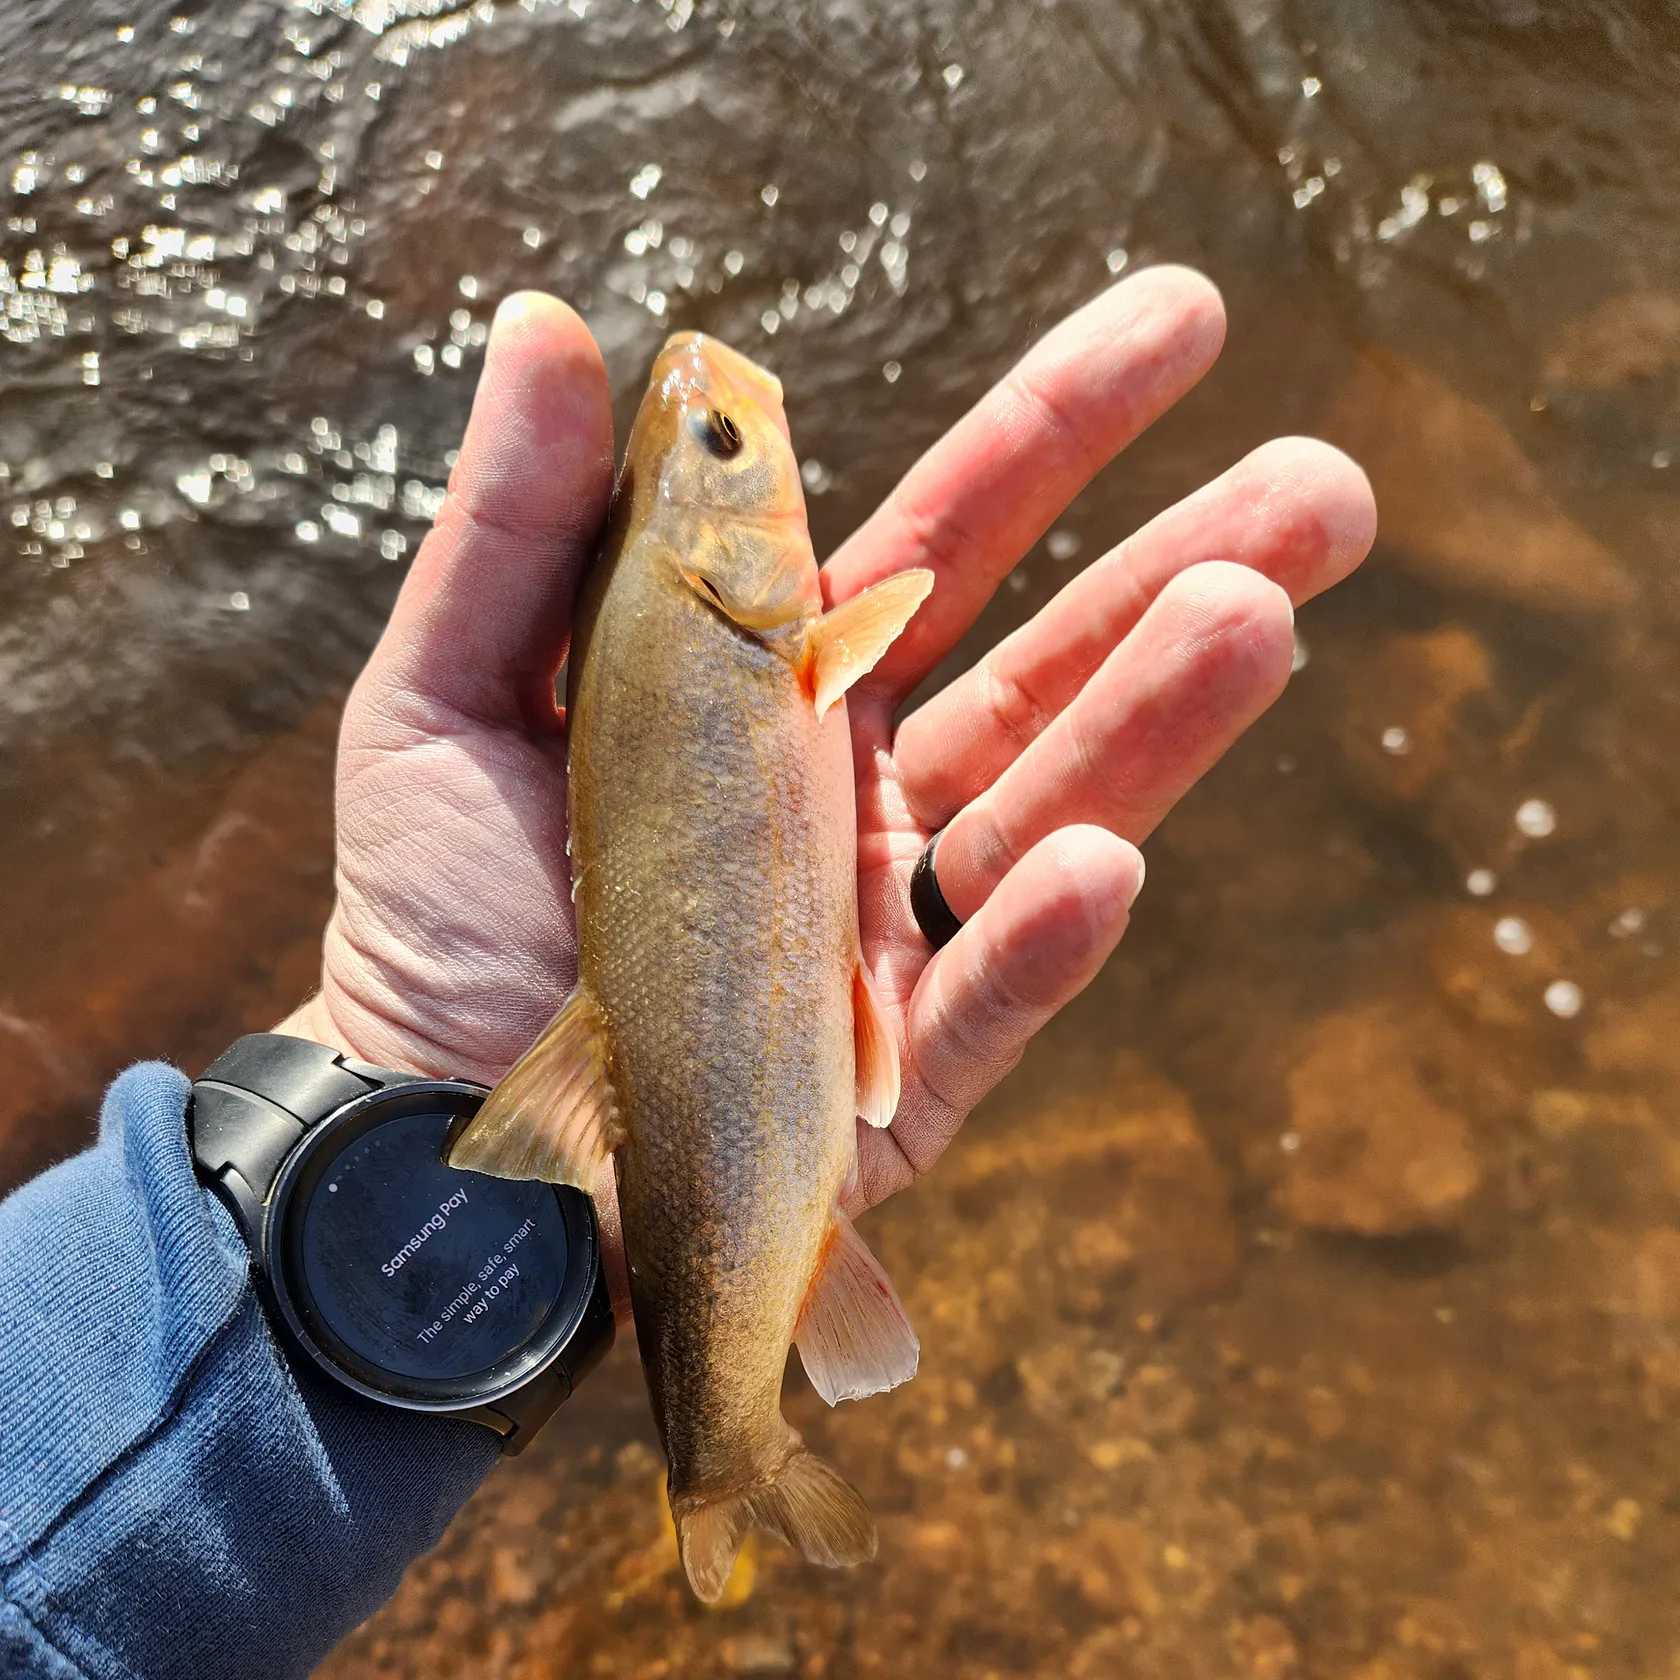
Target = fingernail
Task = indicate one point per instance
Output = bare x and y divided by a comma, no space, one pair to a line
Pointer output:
514,307
1137,884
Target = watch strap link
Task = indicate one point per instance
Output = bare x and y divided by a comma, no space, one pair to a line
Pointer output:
253,1104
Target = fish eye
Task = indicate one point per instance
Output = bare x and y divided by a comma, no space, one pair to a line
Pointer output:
716,430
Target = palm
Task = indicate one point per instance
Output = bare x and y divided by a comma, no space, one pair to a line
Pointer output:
452,940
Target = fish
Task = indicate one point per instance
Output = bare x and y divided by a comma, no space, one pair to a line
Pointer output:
725,1036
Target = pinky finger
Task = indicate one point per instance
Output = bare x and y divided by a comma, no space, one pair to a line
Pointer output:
1034,945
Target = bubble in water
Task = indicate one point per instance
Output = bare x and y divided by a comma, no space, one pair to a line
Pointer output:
308,531
646,179
890,372
469,286
770,194
1397,741
1563,998
1062,545
956,1458
1310,86
918,170
770,320
1117,260
953,75
1627,924
1513,936
1479,883
815,476
733,262
533,237
239,601
1536,818
434,160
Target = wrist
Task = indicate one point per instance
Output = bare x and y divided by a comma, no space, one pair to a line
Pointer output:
314,1020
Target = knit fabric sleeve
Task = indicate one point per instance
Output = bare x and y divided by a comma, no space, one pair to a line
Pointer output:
177,1498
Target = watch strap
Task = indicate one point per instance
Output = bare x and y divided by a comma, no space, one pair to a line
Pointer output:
252,1105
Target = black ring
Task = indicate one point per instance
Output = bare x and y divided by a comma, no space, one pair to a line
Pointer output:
937,920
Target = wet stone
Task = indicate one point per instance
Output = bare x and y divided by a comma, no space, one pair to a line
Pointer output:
1378,1155
1468,507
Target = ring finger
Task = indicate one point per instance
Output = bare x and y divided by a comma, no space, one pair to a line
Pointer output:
1208,657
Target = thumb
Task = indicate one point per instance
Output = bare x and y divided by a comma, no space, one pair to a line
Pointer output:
482,621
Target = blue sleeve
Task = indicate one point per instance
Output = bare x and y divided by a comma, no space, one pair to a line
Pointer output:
177,1498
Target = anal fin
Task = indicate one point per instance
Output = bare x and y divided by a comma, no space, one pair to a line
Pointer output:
877,1052
853,1335
554,1115
848,642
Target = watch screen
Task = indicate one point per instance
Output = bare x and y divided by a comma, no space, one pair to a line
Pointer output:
421,1270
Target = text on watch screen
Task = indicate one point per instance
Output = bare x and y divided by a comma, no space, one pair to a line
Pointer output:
422,1270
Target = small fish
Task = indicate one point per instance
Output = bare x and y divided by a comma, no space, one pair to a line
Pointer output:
725,1035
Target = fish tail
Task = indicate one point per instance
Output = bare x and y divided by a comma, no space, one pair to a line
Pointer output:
808,1502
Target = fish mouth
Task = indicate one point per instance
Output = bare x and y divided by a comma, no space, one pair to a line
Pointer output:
704,365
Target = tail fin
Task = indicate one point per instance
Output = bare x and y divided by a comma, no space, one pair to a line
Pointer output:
808,1502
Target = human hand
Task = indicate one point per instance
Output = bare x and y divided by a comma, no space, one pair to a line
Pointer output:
452,942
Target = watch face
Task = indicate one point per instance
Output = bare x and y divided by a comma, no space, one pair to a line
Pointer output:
416,1279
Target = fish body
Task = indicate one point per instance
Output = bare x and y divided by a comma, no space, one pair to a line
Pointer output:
724,1038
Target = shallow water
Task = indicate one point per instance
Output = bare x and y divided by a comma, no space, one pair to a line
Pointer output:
1309,1302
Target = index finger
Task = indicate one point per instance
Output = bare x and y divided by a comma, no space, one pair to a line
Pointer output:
990,488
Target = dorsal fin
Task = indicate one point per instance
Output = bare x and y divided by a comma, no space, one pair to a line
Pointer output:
848,642
554,1115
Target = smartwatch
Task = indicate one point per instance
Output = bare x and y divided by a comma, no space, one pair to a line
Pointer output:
414,1283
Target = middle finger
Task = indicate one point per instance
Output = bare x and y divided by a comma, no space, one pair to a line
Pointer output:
1204,662
1295,510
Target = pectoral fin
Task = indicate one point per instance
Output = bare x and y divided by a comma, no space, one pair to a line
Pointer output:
877,1052
853,1336
554,1115
848,642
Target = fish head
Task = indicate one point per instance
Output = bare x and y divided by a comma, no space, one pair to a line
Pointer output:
710,446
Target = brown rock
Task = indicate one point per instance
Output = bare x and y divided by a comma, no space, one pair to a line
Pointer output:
1416,684
1633,336
1374,1152
1638,1040
1643,1295
1495,987
1108,1565
1536,1661
1138,1193
1266,1649
1462,505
